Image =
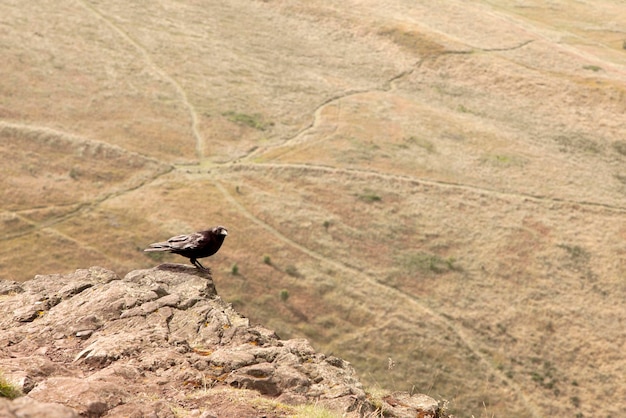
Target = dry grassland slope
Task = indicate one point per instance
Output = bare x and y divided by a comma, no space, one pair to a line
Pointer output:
434,192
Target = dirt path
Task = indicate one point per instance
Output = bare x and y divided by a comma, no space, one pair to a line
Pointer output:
200,152
388,85
542,33
419,180
385,292
76,209
80,209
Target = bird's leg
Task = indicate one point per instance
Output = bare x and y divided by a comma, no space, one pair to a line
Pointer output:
196,263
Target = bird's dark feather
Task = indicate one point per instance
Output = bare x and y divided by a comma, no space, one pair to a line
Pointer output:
193,246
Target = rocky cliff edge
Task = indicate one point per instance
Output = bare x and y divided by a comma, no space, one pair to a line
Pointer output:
162,343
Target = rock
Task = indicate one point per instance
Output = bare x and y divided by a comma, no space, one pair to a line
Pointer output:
25,407
91,344
9,287
90,397
405,405
142,409
160,341
26,372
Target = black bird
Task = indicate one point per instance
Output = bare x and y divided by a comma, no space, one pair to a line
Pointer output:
193,246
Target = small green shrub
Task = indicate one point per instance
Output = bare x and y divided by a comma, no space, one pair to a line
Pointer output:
74,173
284,295
267,260
234,269
7,390
369,197
430,263
620,147
577,142
292,271
576,252
254,121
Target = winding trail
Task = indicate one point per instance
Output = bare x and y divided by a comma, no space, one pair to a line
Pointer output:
419,180
375,286
387,293
132,183
80,208
79,244
193,115
386,86
297,137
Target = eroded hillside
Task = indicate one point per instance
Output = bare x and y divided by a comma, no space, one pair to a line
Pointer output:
436,188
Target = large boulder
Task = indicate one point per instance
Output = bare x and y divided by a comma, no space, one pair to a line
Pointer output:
159,341
91,344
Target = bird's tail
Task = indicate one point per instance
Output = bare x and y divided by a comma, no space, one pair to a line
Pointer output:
159,246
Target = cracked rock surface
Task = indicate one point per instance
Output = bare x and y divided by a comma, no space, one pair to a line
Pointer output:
93,344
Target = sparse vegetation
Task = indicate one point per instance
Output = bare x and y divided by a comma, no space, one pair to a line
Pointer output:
314,411
254,121
419,142
369,196
262,405
7,389
423,262
502,160
292,270
284,295
234,270
267,260
577,252
358,119
546,376
74,173
620,147
577,142
412,40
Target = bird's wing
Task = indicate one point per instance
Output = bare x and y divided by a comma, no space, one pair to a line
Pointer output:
183,242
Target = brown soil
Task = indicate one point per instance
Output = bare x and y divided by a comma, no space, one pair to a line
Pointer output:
443,185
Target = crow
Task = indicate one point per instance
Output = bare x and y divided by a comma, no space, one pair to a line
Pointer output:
193,246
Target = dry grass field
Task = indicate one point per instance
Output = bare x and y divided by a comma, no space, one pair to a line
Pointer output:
434,191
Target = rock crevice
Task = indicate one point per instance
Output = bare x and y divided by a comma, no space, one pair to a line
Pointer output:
93,344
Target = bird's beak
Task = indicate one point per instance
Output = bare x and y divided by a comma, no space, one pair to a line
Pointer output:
224,232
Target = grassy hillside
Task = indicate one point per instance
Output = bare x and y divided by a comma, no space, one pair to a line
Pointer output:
436,193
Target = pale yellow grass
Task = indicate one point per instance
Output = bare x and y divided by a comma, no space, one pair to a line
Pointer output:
443,185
